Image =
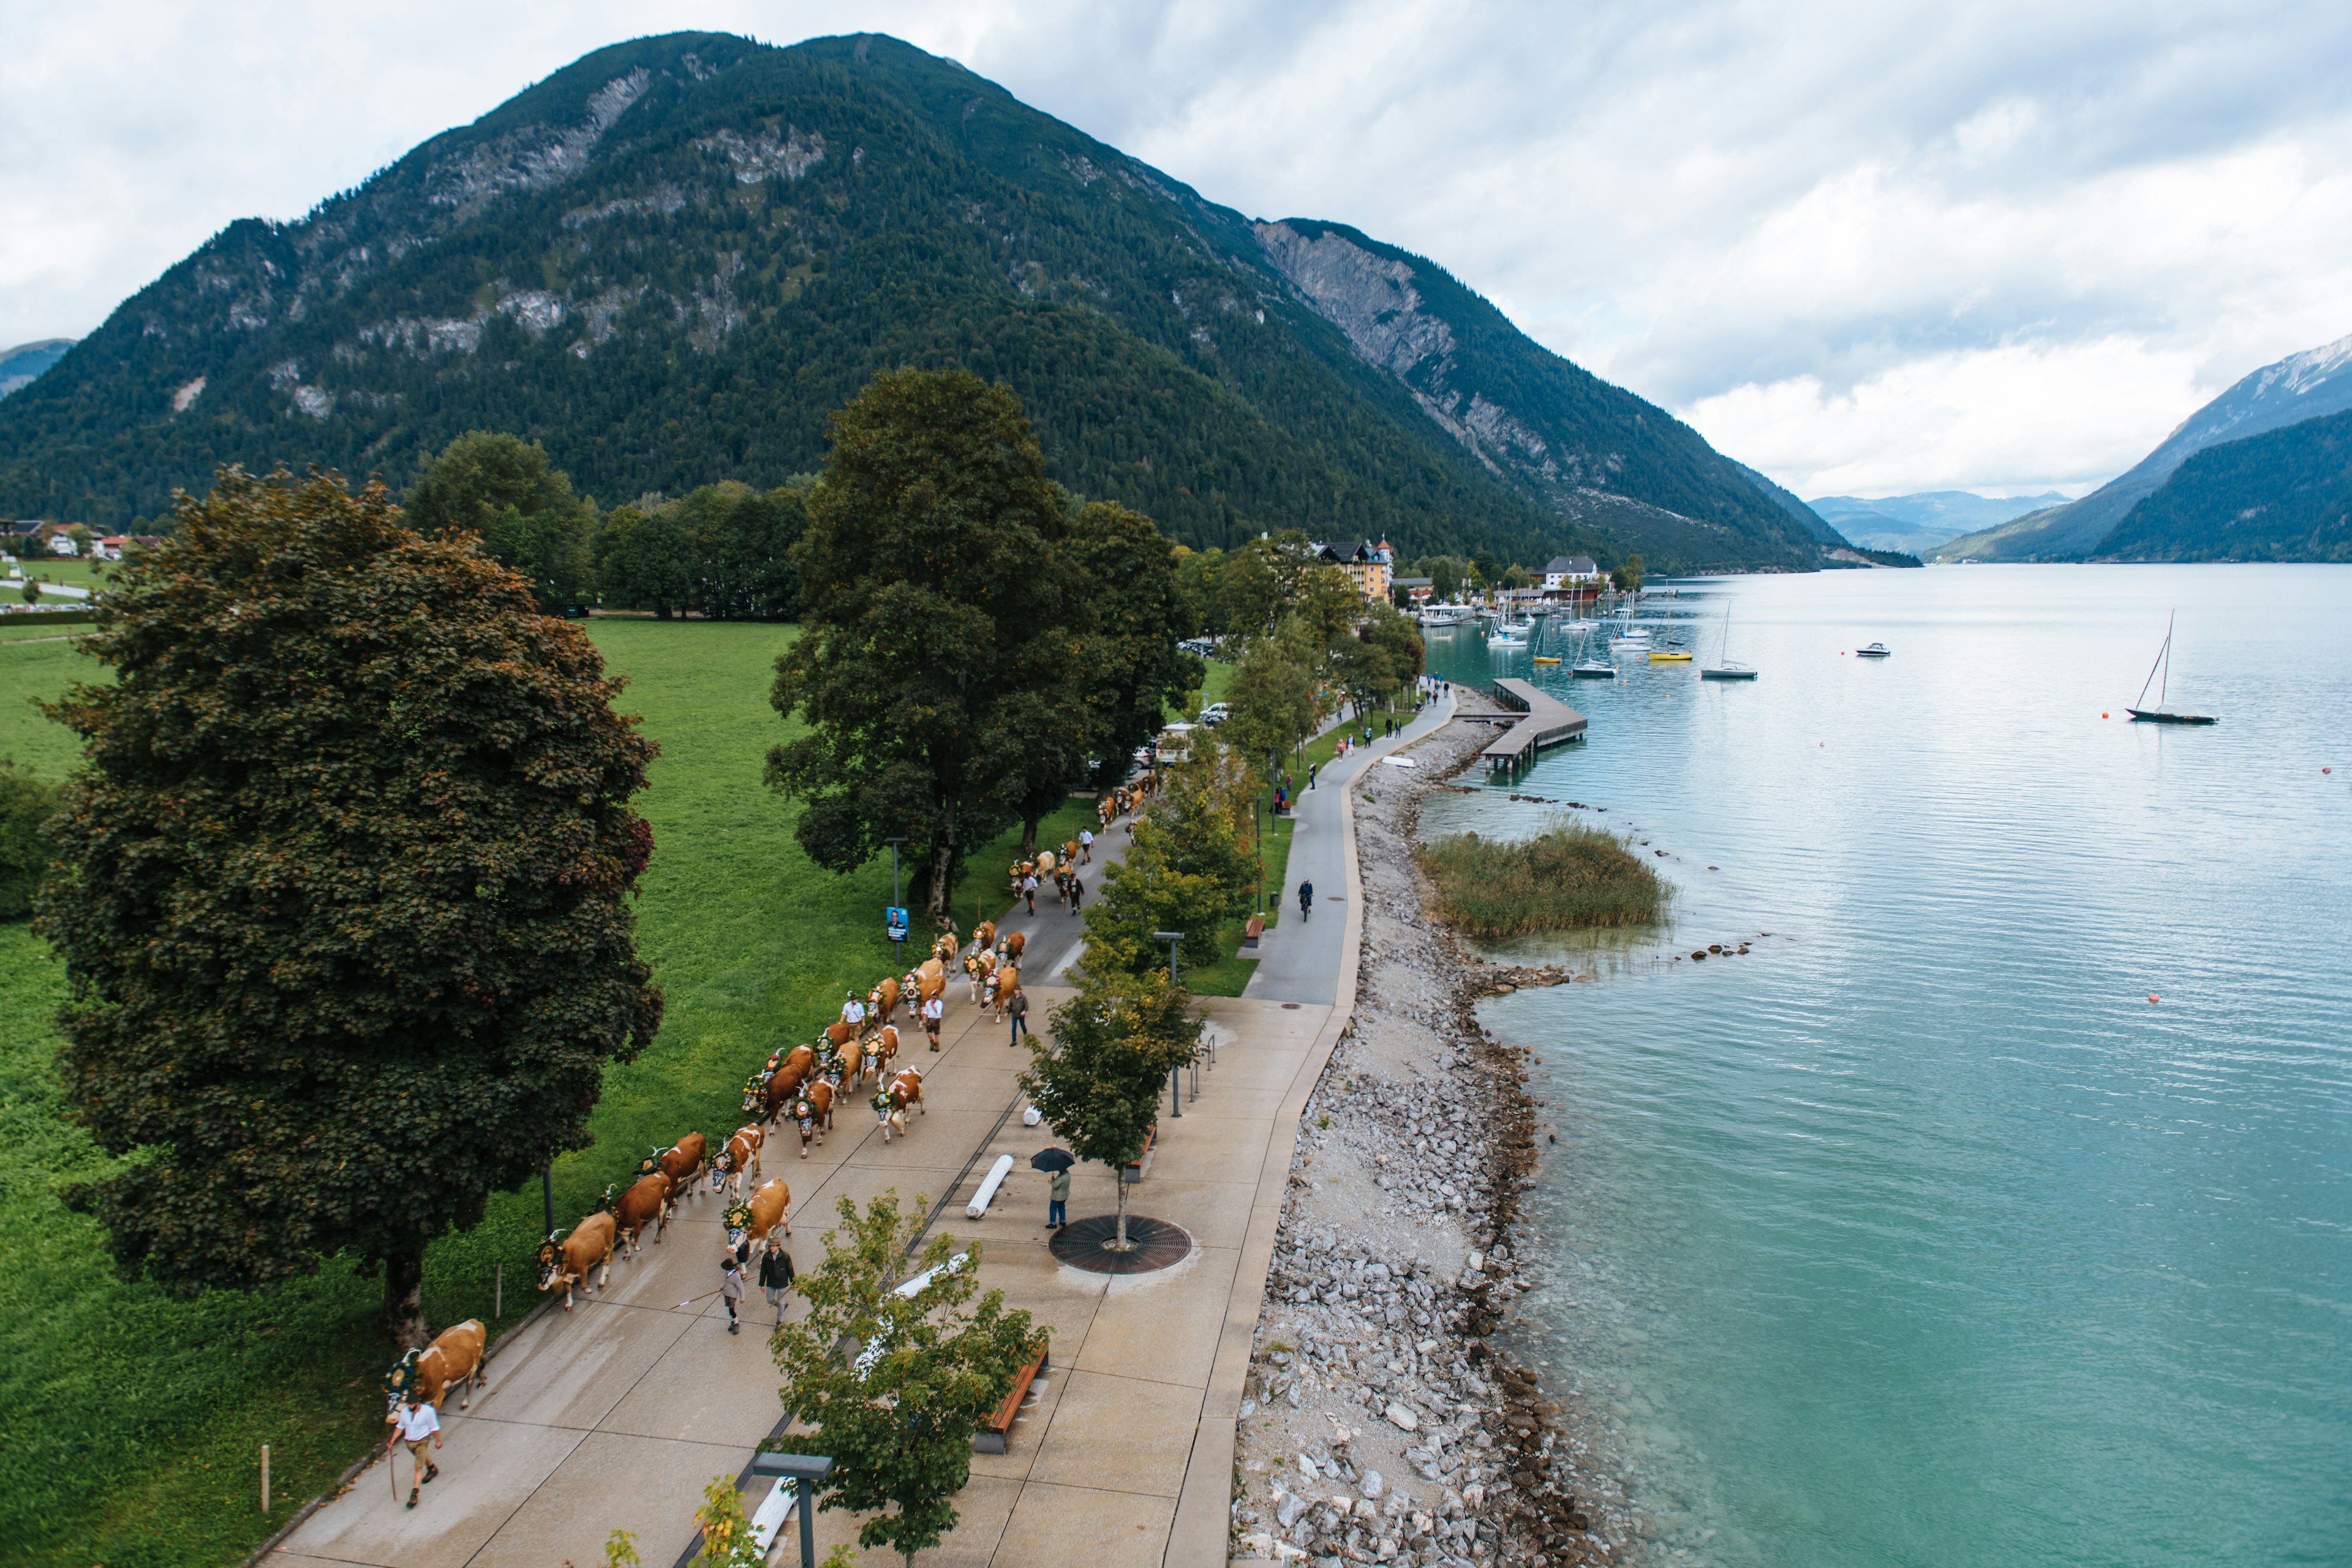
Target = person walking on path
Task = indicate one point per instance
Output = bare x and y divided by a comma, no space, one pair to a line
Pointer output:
1306,899
1017,1009
853,1011
1085,845
1057,1200
417,1425
1312,769
776,1277
730,1288
1029,890
935,1012
1077,893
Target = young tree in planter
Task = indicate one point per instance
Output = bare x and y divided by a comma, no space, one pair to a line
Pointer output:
341,888
897,1416
1098,1079
943,629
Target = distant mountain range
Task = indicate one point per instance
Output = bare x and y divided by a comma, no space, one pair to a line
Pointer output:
671,260
1918,523
2196,524
20,365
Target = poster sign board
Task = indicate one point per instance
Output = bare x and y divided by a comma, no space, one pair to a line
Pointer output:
895,919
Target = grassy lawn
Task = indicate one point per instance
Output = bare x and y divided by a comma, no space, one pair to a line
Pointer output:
42,670
133,1422
77,573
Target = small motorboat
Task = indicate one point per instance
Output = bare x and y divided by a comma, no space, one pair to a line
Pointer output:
1669,655
1876,650
1545,658
1730,670
1593,669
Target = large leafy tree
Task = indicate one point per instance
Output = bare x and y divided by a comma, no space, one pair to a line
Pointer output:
1133,668
897,1413
1099,1077
742,541
942,628
506,490
341,890
649,563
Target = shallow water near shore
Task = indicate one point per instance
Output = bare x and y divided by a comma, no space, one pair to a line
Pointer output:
1920,1234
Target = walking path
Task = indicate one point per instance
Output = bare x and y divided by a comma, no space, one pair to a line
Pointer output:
1299,959
616,1415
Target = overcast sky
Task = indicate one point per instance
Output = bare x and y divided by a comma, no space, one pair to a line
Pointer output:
1867,248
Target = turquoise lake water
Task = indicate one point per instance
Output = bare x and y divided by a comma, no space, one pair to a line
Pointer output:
1921,1235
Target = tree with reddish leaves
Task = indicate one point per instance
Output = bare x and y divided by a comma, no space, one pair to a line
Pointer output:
341,888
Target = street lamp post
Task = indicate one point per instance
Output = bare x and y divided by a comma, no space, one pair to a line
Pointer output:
803,1471
1175,1075
896,901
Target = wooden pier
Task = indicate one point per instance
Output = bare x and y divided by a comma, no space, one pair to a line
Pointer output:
1548,721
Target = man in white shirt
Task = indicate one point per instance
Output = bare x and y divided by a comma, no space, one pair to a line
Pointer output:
417,1423
852,1012
935,1012
1086,846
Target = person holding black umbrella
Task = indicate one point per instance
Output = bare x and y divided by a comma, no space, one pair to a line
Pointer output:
1057,1192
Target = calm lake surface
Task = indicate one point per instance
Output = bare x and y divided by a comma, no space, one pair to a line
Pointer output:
1920,1234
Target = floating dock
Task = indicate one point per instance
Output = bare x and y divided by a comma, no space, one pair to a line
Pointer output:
1549,721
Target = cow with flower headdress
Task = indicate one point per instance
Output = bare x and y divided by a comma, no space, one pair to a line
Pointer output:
456,1355
813,1112
566,1261
741,1155
754,1223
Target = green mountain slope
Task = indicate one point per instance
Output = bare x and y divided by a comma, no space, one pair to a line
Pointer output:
671,259
2284,495
2300,388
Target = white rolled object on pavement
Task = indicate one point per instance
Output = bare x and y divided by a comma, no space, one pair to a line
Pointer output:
987,1193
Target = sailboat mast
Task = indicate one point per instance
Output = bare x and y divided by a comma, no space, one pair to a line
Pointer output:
2165,690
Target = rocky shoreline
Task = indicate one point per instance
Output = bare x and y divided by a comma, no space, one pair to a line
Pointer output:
1382,1421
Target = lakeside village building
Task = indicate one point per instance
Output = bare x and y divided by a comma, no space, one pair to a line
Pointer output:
1367,565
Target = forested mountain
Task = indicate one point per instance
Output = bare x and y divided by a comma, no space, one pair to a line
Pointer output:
669,261
2299,387
2284,495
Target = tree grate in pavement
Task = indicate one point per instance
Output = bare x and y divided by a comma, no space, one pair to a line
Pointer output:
1154,1245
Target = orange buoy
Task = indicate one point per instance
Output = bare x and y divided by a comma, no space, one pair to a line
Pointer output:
2327,770
2101,715
2153,998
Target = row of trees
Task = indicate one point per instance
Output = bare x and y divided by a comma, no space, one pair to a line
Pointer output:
722,552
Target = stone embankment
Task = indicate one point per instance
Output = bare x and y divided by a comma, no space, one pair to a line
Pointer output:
1381,1423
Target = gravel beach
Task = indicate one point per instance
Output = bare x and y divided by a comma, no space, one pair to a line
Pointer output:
1382,1420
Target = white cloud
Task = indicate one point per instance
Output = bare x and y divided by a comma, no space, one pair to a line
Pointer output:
2005,244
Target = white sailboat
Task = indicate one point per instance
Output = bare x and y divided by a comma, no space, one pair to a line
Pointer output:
1725,668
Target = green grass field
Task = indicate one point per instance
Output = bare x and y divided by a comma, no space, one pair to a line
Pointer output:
131,1423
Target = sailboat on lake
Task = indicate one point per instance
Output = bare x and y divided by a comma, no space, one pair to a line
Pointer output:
2160,715
1725,668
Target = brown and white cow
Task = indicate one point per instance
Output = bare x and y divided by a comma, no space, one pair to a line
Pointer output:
984,936
931,980
911,992
741,1155
1015,943
850,1063
772,1208
980,967
905,1089
1001,989
454,1356
785,1082
812,1111
947,946
682,1162
883,1048
645,1203
880,1002
564,1264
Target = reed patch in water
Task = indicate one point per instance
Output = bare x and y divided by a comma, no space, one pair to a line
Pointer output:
1570,874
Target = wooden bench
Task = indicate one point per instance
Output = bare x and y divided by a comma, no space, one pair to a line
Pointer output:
1252,932
1142,1162
991,1438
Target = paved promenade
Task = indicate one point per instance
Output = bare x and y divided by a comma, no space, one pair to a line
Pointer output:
616,1415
